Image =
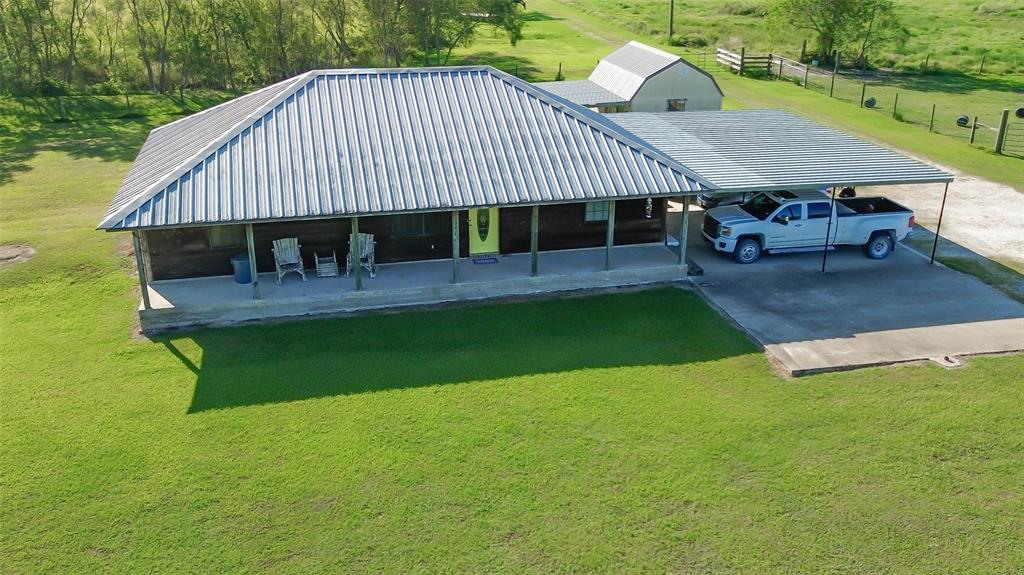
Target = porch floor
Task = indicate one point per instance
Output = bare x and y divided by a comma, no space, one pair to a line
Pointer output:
219,300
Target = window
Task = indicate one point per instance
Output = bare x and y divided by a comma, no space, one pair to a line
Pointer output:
794,211
406,225
676,105
818,210
226,237
596,212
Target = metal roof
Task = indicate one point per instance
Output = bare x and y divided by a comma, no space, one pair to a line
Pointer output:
625,70
364,141
582,92
755,150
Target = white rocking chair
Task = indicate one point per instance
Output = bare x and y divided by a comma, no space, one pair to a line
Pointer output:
366,255
287,258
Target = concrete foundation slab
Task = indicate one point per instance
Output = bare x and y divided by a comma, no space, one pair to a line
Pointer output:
188,303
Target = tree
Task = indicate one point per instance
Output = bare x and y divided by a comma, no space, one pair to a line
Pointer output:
843,25
879,26
439,26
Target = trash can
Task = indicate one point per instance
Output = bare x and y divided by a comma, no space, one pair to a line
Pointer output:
240,264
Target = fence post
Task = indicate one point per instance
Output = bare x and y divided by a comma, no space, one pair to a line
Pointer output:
769,64
974,128
981,69
559,75
835,70
806,71
895,101
926,59
781,63
863,88
931,121
743,56
803,51
1004,122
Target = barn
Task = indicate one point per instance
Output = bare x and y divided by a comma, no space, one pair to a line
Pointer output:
641,78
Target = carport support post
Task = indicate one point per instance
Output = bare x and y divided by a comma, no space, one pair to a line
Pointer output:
534,238
828,231
938,227
684,229
456,247
356,251
140,264
610,236
251,245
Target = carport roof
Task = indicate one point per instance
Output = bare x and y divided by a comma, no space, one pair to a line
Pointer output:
758,150
582,92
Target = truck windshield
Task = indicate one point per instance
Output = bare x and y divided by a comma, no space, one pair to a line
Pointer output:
760,206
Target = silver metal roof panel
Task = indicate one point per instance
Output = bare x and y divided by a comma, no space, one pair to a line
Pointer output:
751,150
624,71
363,141
582,92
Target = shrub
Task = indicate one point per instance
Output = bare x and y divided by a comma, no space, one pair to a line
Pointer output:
50,87
689,40
743,9
108,88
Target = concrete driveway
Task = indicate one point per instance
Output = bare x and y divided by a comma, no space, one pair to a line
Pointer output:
861,312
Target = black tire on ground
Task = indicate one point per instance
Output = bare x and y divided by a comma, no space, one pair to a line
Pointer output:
747,251
879,247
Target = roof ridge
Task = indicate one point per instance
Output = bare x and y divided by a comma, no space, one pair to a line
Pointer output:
189,163
654,50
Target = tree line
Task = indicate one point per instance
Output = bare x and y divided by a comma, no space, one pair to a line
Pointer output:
163,45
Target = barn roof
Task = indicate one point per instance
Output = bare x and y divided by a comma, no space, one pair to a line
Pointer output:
582,92
752,150
619,76
365,141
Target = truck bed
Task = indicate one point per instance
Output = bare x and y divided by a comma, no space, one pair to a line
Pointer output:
864,206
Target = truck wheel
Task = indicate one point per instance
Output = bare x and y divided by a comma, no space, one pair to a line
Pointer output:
747,251
878,247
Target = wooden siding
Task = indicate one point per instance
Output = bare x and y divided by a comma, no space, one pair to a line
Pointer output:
186,252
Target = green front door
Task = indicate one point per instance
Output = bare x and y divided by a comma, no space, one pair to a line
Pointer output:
483,231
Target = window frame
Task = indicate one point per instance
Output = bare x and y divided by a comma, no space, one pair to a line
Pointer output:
598,208
219,243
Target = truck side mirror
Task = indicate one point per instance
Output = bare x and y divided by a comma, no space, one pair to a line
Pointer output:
783,219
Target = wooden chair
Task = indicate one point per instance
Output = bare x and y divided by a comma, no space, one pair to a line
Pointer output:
366,255
287,258
327,266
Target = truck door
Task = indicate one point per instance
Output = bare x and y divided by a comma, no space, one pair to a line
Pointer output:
789,234
816,225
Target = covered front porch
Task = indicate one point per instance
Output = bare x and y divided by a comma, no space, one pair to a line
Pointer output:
181,303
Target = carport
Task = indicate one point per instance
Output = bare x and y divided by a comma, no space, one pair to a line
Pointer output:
863,312
771,150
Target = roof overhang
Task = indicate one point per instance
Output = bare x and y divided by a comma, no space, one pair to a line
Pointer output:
763,150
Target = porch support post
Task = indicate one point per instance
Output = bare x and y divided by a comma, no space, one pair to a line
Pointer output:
356,249
140,264
534,239
456,246
610,238
938,228
684,230
251,245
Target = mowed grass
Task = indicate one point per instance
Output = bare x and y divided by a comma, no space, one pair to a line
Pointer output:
951,34
561,32
614,433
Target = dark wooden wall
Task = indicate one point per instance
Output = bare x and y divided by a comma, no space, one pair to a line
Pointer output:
186,252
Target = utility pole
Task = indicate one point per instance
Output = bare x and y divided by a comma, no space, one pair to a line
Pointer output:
671,19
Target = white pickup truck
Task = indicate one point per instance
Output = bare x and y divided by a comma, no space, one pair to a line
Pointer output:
780,222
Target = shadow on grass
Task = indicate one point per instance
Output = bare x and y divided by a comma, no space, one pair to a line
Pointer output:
97,127
521,67
944,81
964,260
293,361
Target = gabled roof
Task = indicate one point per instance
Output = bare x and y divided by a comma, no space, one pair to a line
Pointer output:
758,150
582,92
625,70
365,141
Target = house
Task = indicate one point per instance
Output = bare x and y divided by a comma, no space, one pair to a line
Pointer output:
640,78
473,183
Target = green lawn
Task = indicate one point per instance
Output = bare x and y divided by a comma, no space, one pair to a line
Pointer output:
558,31
955,33
615,433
